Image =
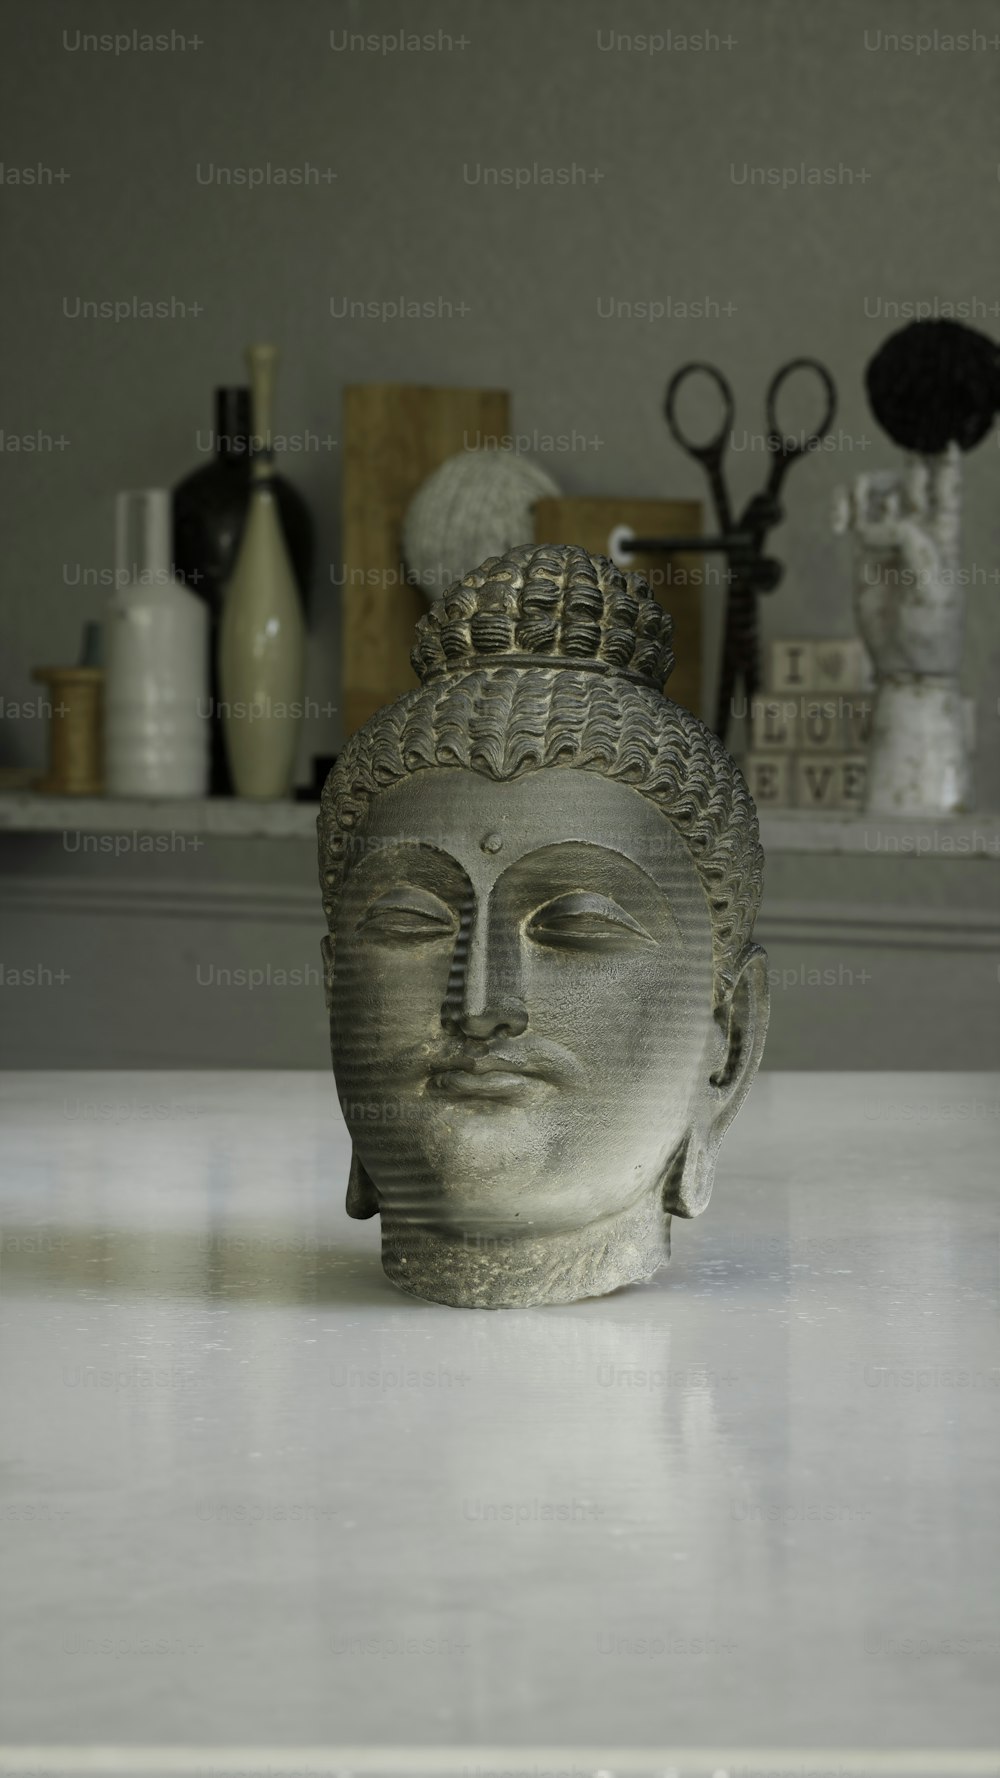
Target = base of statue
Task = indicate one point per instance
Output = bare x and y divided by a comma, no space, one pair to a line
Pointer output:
918,762
508,1269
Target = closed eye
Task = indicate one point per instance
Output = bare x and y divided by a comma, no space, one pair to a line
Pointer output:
586,919
408,913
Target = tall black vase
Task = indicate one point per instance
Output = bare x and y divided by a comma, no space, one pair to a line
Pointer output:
209,509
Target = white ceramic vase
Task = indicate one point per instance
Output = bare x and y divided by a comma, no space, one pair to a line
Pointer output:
156,696
262,632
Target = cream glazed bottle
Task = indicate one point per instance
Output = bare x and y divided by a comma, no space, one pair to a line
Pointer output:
156,695
262,632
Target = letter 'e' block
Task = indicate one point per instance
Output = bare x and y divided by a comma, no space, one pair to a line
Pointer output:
853,770
769,779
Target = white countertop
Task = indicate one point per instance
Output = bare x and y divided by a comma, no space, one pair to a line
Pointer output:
262,1513
782,830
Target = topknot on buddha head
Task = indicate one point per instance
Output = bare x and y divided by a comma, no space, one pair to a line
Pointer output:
548,603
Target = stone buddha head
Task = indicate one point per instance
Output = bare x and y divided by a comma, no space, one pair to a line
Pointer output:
540,879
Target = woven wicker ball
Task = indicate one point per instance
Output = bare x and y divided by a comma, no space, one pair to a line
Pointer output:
475,505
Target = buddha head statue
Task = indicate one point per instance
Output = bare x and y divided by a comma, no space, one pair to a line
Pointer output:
540,879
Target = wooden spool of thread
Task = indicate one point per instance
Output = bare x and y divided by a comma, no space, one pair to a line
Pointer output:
76,765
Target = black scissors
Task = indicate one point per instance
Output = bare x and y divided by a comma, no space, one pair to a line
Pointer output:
742,542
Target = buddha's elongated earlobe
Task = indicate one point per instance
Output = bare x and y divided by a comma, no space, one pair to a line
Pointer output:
362,1198
326,948
687,1186
742,1025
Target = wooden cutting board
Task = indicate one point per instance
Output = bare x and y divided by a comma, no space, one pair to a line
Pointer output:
676,580
395,435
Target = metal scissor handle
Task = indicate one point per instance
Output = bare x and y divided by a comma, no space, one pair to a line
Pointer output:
782,443
713,447
711,453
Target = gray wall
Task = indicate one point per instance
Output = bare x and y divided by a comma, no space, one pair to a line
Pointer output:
803,270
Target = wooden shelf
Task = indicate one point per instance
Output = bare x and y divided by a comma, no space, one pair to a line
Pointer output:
235,817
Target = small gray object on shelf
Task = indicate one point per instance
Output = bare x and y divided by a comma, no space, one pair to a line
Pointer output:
476,505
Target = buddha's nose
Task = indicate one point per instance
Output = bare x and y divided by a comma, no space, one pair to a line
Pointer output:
483,998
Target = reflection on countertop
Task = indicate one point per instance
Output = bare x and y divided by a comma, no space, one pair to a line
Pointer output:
252,1494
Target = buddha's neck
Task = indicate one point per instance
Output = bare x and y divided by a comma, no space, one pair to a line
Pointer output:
445,1266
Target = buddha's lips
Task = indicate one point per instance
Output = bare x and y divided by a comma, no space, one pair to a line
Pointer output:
492,1064
491,1083
543,1061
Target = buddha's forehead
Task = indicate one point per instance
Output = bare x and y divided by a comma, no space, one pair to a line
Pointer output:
481,822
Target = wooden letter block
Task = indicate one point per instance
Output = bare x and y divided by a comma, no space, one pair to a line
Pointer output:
853,770
819,724
840,665
791,666
769,779
817,781
857,722
774,722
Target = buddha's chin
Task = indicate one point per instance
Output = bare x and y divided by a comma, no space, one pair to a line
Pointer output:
503,1171
473,1222
508,1205
503,1205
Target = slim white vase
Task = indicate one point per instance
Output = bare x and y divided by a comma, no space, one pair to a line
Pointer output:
156,700
262,633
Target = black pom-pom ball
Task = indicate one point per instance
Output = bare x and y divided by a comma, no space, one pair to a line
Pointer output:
935,383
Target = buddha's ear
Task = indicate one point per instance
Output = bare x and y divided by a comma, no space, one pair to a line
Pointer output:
732,1059
326,948
362,1198
741,1024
